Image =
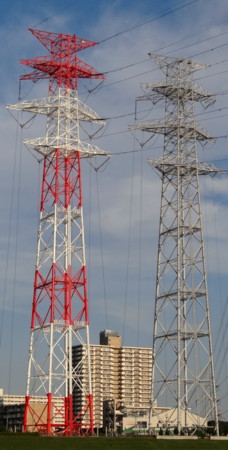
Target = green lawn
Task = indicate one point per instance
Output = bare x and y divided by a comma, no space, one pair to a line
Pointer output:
25,442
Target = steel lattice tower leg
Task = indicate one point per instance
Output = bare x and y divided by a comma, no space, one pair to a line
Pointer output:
183,370
60,317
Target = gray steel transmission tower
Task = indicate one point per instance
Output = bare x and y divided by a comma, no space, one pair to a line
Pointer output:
183,369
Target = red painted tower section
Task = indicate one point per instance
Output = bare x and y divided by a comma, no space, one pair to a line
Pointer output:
62,68
60,317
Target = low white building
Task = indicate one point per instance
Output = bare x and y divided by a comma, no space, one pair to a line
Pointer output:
162,418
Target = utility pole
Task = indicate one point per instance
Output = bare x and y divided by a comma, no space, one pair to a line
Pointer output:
60,316
183,368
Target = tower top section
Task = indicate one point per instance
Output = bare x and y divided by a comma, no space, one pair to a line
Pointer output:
176,66
62,67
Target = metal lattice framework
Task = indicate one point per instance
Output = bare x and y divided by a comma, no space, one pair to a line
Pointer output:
183,371
60,316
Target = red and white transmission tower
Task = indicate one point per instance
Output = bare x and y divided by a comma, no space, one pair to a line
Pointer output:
60,304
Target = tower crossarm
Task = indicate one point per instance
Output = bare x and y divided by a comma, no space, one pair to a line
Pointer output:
184,230
172,296
188,131
166,166
65,73
56,42
185,91
59,105
47,146
184,336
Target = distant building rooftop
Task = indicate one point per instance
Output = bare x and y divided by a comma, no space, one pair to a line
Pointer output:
111,338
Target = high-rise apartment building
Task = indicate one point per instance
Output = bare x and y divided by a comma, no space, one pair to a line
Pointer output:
119,373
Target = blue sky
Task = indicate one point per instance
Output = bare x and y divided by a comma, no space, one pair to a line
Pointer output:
199,31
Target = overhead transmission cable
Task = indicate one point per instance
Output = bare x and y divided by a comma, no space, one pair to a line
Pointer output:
140,248
53,15
101,246
9,237
134,27
158,108
118,132
170,52
223,326
155,69
152,19
128,246
15,270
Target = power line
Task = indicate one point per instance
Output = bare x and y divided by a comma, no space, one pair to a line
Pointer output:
157,108
131,114
172,51
128,247
165,13
101,249
155,69
161,48
15,269
139,25
211,75
53,15
9,236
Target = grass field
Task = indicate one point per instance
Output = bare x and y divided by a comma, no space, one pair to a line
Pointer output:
25,442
